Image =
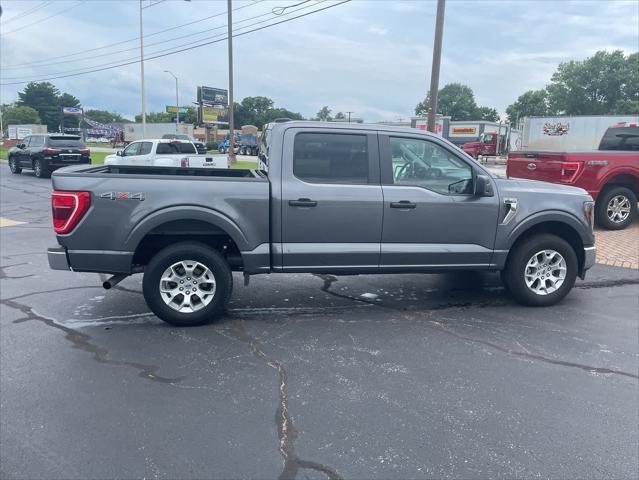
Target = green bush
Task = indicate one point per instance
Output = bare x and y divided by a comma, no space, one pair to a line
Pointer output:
211,145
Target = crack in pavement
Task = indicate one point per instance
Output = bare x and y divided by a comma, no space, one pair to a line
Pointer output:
82,342
608,283
330,279
3,274
285,429
534,356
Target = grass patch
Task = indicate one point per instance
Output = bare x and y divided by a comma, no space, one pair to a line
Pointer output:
97,158
245,165
3,153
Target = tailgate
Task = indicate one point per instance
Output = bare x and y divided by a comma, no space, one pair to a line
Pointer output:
544,166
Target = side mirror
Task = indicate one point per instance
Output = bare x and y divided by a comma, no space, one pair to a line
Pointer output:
483,186
119,153
21,145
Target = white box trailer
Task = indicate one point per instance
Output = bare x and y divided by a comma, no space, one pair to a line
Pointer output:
18,132
564,134
134,131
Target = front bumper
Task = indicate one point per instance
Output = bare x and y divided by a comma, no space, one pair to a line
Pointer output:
590,255
58,258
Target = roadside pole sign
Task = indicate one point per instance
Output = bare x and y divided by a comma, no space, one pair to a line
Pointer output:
173,109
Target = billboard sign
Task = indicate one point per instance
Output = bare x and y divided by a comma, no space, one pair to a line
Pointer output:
464,131
214,115
71,111
174,109
213,96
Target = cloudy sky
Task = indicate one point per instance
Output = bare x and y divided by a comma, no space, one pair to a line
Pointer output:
371,57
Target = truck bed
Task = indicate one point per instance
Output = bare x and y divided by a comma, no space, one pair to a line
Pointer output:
130,203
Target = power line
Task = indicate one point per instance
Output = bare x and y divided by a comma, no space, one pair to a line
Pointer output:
27,12
188,35
4,67
46,18
81,69
154,56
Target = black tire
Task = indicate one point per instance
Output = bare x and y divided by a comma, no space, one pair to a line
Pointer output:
601,208
13,166
516,267
40,170
183,251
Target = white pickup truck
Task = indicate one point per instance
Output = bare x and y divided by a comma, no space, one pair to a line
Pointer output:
165,153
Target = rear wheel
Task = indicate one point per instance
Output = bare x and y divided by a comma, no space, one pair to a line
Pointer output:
187,284
13,165
541,270
616,208
40,169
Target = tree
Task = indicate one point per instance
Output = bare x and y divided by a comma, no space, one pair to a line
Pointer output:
324,114
458,102
340,116
42,97
15,115
596,85
155,117
487,113
275,113
528,104
103,116
258,111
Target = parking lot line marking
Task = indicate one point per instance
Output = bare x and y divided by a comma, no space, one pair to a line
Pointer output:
7,222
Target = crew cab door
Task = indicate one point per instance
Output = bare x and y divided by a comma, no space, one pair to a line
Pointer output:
432,219
331,200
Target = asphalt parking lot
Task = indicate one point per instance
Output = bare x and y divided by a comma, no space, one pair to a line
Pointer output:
406,376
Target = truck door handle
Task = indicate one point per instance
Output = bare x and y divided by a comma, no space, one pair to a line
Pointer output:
403,204
302,202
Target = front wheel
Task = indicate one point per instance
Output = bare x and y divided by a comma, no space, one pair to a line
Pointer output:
187,284
616,208
13,165
541,270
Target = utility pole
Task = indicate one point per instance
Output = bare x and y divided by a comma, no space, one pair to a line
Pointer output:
142,74
349,116
177,100
437,57
229,7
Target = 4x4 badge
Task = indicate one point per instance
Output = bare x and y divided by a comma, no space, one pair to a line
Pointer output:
123,196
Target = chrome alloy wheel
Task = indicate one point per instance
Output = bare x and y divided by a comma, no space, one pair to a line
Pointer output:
545,272
618,208
187,286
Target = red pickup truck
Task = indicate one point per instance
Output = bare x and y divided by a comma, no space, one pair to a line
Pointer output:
609,174
486,145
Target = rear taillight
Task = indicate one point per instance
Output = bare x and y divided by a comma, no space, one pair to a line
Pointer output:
68,208
570,170
508,167
50,151
184,162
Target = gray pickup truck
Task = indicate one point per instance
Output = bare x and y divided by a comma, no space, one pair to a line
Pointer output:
333,198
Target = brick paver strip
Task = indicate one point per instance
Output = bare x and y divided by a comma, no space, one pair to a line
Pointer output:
619,248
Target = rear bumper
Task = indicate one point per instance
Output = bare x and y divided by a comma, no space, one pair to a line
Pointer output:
58,258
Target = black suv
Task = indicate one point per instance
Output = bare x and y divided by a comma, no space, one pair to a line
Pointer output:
43,153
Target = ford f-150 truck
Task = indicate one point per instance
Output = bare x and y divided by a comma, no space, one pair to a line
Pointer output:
610,174
337,198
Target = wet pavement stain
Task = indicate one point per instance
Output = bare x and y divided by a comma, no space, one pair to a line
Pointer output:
83,342
285,429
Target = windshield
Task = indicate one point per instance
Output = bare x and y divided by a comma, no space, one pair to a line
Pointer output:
487,138
169,148
65,141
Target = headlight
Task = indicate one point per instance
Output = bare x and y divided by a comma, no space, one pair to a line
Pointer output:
589,213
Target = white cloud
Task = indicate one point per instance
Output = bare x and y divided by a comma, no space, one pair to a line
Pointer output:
372,57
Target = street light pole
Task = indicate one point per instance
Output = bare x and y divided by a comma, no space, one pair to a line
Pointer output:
177,100
142,74
349,116
437,57
229,8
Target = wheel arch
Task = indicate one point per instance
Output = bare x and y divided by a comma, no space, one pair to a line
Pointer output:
622,179
561,224
186,223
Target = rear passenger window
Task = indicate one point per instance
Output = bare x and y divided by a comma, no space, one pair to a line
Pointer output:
145,148
620,138
330,158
